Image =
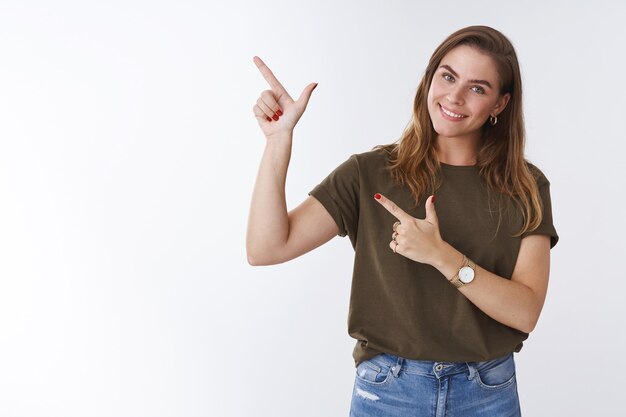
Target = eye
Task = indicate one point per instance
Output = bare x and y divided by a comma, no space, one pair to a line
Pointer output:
447,75
479,90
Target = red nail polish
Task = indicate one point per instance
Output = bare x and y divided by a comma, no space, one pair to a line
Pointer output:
279,112
275,117
269,119
377,196
433,199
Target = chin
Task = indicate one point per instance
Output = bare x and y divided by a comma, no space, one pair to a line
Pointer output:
446,130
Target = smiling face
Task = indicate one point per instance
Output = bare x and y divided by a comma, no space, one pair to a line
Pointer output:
464,92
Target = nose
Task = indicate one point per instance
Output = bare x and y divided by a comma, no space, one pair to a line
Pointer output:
455,95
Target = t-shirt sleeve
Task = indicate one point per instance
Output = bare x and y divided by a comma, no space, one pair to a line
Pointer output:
339,194
546,227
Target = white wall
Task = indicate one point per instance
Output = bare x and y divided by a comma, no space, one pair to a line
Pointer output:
128,153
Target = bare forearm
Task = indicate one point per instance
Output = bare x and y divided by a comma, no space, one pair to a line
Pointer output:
515,302
268,221
509,302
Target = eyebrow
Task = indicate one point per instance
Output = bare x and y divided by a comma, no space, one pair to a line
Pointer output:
483,82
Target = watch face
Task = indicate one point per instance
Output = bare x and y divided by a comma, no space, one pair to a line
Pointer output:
466,274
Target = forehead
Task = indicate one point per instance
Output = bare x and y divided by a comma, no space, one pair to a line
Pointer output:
471,63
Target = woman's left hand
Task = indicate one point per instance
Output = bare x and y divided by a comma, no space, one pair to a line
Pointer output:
416,239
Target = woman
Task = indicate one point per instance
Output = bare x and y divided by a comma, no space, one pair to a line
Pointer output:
442,294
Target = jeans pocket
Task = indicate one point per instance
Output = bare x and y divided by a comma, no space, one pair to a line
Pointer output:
497,373
374,371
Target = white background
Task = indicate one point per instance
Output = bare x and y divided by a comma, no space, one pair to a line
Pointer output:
128,154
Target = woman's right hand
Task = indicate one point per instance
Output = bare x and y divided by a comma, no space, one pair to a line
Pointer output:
275,110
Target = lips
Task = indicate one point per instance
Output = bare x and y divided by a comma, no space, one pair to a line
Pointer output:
451,115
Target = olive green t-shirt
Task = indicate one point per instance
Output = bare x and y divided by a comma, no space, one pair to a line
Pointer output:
409,309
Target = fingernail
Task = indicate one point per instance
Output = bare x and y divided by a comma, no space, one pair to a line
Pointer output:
279,112
377,196
275,117
314,87
269,119
433,199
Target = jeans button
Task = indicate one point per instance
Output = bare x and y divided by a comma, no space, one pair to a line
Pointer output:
439,367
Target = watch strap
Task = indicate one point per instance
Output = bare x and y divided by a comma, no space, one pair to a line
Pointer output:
455,279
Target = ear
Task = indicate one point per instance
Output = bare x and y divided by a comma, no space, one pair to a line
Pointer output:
501,103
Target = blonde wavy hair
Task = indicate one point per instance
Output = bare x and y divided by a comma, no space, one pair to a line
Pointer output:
501,162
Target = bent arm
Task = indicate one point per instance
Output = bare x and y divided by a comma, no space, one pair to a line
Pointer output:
516,302
275,235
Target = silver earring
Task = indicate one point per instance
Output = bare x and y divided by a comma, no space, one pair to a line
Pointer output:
493,120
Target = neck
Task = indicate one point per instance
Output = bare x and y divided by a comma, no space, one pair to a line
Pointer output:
457,151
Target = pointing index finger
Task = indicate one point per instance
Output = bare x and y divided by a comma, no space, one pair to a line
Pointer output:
392,208
269,76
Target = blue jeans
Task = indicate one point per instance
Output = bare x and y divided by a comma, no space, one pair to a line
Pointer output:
391,386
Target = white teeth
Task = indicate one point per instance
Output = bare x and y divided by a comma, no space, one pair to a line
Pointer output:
449,113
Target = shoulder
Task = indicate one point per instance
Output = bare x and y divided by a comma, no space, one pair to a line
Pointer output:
537,174
368,164
378,156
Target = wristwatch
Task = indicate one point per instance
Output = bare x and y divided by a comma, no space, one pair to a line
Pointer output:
466,273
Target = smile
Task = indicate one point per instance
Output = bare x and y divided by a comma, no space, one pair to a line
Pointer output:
451,114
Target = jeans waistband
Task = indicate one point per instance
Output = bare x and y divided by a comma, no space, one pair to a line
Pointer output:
436,368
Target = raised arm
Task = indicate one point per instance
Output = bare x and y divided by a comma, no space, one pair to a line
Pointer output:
275,235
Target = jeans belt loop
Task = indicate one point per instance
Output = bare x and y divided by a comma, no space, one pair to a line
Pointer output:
396,369
472,371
